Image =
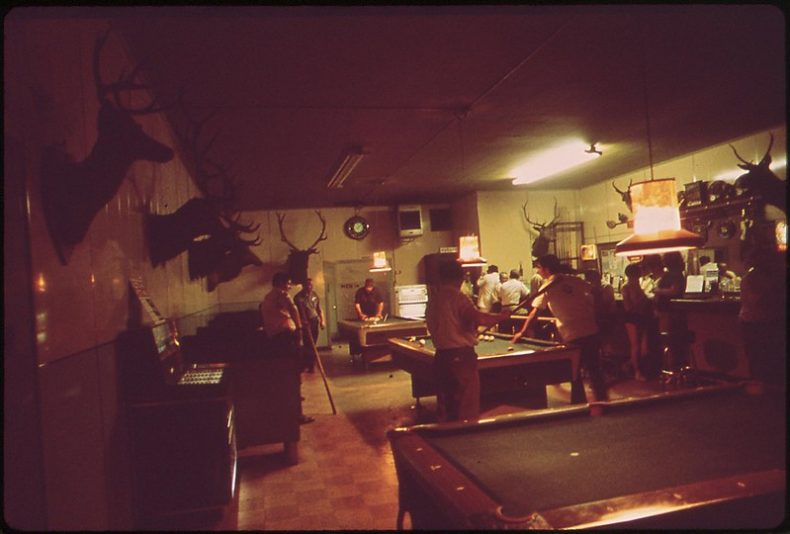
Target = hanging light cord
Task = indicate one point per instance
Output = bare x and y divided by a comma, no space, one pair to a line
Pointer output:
643,69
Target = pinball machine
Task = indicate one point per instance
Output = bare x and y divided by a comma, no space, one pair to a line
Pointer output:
181,426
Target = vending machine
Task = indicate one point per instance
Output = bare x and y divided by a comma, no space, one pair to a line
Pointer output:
411,301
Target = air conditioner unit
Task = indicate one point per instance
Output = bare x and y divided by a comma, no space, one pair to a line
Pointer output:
409,221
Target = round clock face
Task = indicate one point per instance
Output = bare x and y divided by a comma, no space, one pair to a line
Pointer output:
356,227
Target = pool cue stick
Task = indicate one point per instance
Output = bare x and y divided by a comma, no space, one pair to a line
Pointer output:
309,334
526,300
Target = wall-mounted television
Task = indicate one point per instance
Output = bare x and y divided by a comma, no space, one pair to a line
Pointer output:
409,221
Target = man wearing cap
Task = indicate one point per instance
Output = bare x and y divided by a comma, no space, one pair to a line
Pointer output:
368,301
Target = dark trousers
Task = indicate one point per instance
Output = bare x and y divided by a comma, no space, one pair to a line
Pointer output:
590,355
286,345
308,355
457,384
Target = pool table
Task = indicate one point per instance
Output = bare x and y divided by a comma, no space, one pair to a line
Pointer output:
523,372
711,457
367,340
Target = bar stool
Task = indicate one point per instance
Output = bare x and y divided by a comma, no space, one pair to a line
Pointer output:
677,369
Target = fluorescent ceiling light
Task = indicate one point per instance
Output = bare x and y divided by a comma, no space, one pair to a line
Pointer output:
555,160
345,168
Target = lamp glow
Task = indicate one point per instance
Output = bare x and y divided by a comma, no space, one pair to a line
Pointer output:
380,263
554,161
469,251
656,221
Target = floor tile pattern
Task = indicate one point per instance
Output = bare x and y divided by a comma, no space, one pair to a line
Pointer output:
345,478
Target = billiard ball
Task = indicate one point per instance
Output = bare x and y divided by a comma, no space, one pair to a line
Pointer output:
422,342
510,348
412,339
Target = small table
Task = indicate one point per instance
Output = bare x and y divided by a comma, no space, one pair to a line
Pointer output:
367,340
712,457
525,371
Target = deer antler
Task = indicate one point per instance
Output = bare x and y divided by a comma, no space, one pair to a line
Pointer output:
322,236
526,215
124,83
748,165
625,195
280,219
236,226
556,215
541,226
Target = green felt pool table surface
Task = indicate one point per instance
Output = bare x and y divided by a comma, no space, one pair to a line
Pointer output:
524,371
368,339
543,468
497,347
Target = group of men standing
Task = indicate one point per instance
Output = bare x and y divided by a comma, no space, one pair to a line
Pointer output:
284,320
453,320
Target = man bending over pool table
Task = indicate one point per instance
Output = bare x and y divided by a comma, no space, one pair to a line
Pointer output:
452,321
570,300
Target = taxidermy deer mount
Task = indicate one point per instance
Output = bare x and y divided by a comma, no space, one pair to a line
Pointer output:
297,261
205,226
540,245
759,179
73,193
626,197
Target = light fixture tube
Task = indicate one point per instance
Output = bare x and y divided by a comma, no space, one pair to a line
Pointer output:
555,160
345,169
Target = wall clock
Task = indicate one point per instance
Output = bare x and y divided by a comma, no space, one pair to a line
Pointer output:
356,227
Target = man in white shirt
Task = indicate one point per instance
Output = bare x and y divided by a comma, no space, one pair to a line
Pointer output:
511,293
488,285
570,300
535,281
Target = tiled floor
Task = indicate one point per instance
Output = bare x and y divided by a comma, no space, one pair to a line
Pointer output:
345,478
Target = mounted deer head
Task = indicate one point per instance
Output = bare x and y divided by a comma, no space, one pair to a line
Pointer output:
206,227
540,246
73,193
296,265
170,235
220,257
760,180
625,195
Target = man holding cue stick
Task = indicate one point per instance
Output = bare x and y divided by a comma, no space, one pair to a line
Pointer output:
570,300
